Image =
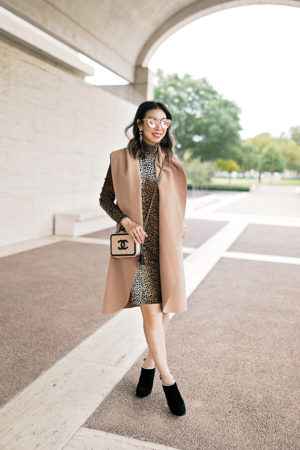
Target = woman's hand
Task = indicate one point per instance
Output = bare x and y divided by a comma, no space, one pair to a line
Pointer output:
134,230
184,233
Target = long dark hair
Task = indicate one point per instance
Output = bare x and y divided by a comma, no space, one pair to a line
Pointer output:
168,142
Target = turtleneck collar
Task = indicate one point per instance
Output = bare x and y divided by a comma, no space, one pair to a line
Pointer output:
150,147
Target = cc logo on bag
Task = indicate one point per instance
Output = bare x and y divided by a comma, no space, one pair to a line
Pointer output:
122,244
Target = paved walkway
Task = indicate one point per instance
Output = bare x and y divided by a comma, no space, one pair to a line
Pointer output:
68,373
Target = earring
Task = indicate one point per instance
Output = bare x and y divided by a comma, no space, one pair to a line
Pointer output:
141,136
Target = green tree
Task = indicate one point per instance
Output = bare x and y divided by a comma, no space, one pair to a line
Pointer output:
198,173
295,134
248,158
253,149
229,165
291,153
271,160
204,123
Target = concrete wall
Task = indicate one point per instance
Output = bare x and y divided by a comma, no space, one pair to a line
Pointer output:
56,133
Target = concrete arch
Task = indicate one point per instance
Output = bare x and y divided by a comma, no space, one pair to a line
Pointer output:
193,12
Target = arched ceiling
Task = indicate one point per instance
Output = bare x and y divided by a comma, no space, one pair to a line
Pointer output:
119,34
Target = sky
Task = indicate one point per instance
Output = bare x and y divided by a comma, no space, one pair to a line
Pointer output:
250,55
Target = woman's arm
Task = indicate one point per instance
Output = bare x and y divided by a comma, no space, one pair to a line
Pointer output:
107,199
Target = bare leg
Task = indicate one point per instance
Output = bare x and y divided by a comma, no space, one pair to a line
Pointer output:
155,337
149,361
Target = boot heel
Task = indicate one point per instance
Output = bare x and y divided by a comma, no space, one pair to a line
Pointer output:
174,399
145,383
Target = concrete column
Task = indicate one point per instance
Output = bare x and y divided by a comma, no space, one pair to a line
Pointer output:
143,85
141,90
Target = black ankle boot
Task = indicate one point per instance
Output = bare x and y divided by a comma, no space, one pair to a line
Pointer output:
145,383
174,399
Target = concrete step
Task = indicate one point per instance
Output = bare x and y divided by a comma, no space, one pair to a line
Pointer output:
77,223
81,222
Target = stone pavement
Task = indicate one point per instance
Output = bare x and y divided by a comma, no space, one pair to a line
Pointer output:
68,373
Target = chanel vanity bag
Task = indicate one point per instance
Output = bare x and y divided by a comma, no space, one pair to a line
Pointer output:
122,244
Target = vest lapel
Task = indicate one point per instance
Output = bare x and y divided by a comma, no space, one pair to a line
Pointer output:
127,184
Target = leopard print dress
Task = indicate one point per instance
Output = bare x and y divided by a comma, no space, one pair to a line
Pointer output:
146,287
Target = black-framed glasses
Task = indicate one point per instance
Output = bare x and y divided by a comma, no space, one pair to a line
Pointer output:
153,122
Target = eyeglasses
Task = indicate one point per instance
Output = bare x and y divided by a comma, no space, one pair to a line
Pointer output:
153,122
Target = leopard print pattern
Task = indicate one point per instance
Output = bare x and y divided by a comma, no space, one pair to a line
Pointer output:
146,287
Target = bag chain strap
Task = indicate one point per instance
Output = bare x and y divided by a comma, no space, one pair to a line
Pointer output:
141,255
146,221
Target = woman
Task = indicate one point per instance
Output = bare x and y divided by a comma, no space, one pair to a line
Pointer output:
158,287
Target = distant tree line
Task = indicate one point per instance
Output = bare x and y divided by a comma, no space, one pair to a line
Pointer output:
206,127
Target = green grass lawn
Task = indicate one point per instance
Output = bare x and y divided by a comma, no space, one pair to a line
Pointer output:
250,181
